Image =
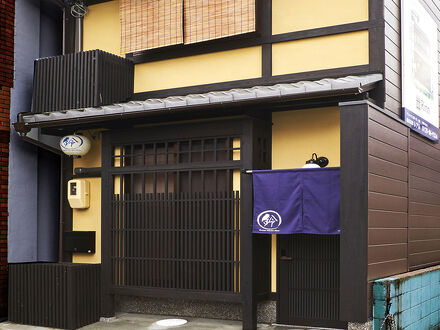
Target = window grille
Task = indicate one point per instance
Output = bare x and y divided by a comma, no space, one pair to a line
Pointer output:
175,215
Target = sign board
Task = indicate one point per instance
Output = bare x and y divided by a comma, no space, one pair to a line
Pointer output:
420,102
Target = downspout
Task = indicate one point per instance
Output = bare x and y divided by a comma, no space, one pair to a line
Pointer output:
78,34
61,222
78,10
64,32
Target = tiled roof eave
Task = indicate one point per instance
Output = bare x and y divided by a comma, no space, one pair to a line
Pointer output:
211,100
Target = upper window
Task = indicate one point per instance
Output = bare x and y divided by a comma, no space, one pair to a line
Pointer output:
149,24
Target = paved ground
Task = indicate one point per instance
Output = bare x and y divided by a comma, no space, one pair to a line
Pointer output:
127,321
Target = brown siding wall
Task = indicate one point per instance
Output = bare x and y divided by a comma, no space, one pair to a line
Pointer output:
393,98
7,10
404,174
387,195
424,203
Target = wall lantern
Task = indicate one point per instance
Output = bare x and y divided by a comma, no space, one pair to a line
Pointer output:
75,145
316,162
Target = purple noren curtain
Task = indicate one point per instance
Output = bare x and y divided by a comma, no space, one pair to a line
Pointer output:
297,201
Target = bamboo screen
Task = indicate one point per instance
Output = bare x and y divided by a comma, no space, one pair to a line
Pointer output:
148,24
213,19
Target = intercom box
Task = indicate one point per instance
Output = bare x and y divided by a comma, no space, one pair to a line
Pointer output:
78,193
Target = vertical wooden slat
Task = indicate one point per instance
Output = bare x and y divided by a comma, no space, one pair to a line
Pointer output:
208,20
148,24
184,240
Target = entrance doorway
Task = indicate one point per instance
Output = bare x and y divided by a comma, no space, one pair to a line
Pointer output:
308,280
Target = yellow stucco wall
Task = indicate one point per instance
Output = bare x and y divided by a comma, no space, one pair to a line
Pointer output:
90,219
102,28
102,31
295,136
297,15
340,50
209,68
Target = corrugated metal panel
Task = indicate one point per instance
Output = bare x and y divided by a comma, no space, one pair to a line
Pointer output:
80,80
63,295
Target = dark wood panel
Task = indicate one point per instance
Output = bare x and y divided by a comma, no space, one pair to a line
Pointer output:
424,221
385,185
423,246
354,212
423,184
388,122
387,252
424,259
387,219
386,168
384,269
423,209
378,201
393,76
392,57
425,148
421,159
387,135
392,62
419,196
416,267
377,236
392,105
387,152
393,90
424,158
415,234
416,137
423,172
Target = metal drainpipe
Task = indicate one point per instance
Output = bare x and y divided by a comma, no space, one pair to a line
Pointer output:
64,32
79,34
61,223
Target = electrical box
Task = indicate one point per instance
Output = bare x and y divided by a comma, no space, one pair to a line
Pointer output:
78,193
79,241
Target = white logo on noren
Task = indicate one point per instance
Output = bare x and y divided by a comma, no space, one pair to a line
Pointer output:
269,220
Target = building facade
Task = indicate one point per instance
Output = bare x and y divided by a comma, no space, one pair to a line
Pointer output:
220,88
6,83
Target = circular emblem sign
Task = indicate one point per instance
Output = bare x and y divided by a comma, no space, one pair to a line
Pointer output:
269,220
75,145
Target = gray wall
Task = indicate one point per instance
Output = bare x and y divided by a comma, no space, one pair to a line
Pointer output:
33,198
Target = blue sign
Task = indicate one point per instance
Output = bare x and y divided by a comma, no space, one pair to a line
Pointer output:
420,125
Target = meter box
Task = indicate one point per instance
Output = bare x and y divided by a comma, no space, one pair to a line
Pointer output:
78,193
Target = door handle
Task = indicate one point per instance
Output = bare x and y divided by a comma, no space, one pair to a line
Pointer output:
286,258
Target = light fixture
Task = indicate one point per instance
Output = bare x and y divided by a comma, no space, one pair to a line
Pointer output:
316,162
75,145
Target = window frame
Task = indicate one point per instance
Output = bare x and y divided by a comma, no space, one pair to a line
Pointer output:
249,39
